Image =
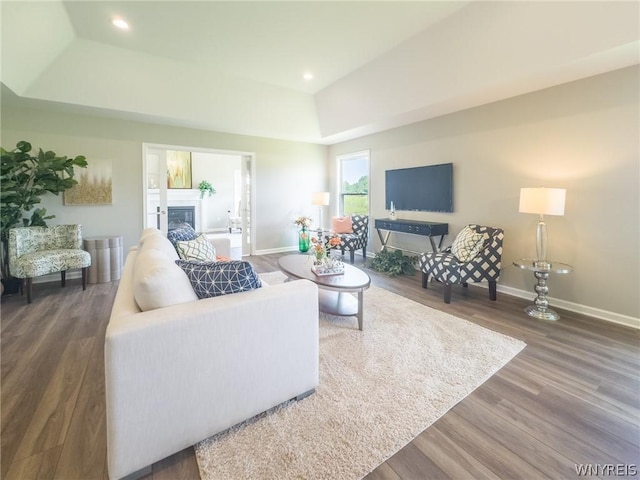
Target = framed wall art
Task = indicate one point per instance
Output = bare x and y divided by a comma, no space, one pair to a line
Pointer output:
178,169
94,185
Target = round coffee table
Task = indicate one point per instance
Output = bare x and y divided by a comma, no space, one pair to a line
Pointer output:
333,293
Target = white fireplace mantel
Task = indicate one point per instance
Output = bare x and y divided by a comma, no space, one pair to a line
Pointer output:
179,198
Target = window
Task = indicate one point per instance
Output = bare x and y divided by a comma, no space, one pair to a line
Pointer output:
353,177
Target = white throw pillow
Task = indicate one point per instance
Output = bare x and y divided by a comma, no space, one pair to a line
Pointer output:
158,282
467,244
199,249
153,239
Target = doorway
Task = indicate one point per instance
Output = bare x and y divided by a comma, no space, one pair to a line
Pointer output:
228,212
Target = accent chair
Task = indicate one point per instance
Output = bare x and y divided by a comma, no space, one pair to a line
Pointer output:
353,241
474,256
37,251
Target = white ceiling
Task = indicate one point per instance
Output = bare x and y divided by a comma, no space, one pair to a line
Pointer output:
237,66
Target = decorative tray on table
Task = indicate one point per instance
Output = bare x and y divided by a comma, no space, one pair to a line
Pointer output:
324,270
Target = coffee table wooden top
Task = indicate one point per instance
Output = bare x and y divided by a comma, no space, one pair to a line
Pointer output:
299,266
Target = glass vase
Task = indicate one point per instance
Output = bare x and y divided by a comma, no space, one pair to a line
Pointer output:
303,240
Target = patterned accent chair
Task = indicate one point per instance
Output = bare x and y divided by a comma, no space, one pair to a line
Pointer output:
484,266
37,251
354,241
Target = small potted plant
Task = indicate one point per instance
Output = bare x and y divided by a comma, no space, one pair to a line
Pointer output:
206,188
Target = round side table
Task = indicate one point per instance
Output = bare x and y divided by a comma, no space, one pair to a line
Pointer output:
541,309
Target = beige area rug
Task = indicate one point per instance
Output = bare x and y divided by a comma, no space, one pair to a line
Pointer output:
378,390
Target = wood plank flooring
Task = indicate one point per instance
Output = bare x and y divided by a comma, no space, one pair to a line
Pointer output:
572,396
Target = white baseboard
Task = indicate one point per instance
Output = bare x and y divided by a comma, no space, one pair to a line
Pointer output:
598,313
277,250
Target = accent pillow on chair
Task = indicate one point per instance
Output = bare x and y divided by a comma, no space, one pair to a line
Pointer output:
467,244
342,224
211,279
200,249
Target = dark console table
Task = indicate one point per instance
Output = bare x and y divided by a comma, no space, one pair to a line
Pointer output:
412,227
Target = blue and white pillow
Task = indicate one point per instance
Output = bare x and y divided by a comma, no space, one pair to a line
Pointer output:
211,279
183,233
200,249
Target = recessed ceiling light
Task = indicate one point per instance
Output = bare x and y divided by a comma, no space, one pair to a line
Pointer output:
308,76
120,23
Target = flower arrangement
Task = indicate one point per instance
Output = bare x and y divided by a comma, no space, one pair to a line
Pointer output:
321,250
325,264
303,222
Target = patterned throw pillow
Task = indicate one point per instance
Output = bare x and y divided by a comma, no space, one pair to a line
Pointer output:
212,279
199,249
467,245
184,232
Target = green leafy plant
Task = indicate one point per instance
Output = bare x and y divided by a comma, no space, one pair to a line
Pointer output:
393,263
24,178
205,187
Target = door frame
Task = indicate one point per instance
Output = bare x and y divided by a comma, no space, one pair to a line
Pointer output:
248,232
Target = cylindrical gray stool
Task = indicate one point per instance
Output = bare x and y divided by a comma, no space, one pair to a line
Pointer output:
106,258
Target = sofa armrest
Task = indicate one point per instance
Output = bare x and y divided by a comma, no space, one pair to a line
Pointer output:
177,375
223,246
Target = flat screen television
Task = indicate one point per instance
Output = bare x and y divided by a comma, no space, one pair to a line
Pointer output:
425,189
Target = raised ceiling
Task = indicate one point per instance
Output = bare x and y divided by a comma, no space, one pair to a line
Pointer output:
238,67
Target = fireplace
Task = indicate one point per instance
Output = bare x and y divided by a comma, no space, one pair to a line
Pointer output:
179,215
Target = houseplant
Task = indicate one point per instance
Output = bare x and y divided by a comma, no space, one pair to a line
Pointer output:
24,178
392,263
206,188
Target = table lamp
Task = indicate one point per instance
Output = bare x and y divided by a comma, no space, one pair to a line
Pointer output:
320,200
542,201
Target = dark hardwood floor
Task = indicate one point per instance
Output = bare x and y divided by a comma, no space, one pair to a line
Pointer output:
572,396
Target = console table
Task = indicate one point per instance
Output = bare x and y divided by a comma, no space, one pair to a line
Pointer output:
541,309
411,227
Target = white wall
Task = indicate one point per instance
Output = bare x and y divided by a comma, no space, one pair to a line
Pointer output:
286,172
582,136
218,170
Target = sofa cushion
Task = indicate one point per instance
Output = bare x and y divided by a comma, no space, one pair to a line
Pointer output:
158,282
467,245
342,224
211,279
198,249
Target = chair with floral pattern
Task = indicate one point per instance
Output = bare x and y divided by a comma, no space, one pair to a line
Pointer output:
37,251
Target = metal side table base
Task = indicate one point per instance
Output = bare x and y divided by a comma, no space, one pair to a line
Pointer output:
540,309
547,314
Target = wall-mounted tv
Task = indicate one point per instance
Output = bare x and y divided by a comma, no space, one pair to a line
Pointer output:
426,189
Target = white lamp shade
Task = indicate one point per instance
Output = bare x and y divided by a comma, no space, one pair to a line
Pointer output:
543,201
320,198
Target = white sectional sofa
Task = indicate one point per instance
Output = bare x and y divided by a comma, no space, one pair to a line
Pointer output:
178,373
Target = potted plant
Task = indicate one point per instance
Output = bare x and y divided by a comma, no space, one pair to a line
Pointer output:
24,178
392,263
205,188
